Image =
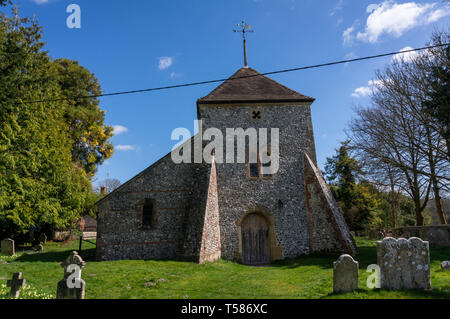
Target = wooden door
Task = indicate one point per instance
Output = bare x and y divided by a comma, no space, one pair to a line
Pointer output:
255,240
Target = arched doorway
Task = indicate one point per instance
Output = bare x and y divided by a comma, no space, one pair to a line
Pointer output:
255,240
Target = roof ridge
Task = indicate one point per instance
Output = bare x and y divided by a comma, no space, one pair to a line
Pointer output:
252,86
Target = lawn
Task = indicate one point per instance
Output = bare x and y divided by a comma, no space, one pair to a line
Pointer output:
306,277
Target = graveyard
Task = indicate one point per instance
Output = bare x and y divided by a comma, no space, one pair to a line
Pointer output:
305,277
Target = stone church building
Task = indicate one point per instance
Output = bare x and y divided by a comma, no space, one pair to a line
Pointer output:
203,212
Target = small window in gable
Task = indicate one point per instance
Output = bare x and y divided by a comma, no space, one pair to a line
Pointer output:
147,213
256,114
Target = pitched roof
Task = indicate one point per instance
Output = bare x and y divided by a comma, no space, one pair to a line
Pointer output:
248,85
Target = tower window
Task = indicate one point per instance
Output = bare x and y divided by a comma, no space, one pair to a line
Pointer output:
147,213
253,170
266,168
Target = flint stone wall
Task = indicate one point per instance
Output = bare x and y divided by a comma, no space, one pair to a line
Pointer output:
120,233
239,195
404,264
435,235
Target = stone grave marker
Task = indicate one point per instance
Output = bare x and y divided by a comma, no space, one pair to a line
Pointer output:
8,247
345,274
445,265
72,286
404,263
16,283
43,238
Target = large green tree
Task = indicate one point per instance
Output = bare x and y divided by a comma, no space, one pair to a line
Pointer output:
90,136
39,182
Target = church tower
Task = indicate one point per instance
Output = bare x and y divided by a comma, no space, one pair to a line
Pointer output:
266,217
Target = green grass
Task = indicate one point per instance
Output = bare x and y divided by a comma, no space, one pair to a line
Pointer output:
307,277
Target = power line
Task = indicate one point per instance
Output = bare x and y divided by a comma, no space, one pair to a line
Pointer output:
240,77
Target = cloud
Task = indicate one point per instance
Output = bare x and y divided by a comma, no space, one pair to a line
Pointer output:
347,35
366,90
391,18
406,57
165,62
350,56
125,148
175,75
337,7
119,129
40,1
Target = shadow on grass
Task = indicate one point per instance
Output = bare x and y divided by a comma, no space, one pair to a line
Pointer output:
387,294
54,256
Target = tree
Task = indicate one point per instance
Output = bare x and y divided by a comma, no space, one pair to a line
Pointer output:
111,184
355,198
90,136
438,81
39,182
396,132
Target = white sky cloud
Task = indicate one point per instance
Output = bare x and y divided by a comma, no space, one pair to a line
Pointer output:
338,6
119,129
347,36
391,18
40,1
125,148
407,57
366,90
165,62
175,75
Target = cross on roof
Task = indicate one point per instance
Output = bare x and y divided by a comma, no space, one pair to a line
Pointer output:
16,283
244,28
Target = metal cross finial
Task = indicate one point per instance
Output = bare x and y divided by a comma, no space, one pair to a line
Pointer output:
244,28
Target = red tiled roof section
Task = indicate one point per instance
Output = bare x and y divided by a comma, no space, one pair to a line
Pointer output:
247,85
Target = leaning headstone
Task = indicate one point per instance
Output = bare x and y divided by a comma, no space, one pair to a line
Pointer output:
16,283
42,238
404,263
345,274
8,247
72,286
445,265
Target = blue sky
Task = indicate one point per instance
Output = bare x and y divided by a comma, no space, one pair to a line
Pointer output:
140,44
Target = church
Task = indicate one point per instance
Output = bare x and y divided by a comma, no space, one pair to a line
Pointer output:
202,212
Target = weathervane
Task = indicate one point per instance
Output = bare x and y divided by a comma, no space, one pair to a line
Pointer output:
244,28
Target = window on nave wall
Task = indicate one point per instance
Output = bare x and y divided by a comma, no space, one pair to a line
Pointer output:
147,213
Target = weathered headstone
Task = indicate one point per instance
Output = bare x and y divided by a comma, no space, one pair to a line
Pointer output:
8,247
72,286
43,238
38,248
445,265
16,283
404,263
345,274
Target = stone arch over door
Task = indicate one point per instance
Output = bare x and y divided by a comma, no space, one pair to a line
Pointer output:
257,225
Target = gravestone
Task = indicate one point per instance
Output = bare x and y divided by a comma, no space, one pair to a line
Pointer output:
72,286
404,263
16,283
345,274
445,265
43,238
8,247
